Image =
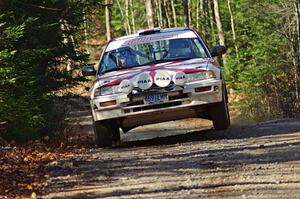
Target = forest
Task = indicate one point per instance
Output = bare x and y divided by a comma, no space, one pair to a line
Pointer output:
43,45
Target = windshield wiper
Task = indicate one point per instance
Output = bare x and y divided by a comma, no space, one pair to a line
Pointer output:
116,69
174,59
170,59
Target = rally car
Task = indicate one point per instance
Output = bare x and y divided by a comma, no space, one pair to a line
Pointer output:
156,75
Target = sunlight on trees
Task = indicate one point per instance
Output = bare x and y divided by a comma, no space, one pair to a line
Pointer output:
41,40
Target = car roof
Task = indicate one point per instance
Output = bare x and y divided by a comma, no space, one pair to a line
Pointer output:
164,30
147,35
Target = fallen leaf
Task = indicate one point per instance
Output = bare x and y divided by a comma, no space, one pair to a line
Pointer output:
33,195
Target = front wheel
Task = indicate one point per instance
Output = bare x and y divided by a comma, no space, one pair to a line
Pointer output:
219,113
105,133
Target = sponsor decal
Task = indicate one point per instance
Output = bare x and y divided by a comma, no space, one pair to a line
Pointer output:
147,39
144,81
162,78
125,86
179,78
135,39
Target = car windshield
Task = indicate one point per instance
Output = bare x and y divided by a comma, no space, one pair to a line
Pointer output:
151,53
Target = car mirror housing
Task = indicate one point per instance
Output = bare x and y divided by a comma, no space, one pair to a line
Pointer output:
217,50
88,71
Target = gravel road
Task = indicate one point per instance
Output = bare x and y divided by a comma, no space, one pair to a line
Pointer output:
183,159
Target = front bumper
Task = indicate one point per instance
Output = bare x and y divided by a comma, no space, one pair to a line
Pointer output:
179,100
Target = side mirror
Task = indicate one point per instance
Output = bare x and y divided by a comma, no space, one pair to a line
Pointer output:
217,50
88,71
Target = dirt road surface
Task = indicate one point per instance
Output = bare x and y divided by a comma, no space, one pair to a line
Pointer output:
184,159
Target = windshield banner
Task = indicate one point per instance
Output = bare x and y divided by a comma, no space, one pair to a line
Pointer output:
148,39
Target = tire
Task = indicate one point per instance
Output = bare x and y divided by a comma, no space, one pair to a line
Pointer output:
105,133
219,112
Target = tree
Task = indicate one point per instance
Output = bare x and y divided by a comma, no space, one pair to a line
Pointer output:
297,14
33,66
158,13
174,13
124,18
187,13
261,36
127,16
219,26
149,13
197,14
203,6
107,19
132,16
167,14
297,48
212,25
232,28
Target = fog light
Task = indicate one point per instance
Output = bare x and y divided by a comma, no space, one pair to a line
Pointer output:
108,103
203,89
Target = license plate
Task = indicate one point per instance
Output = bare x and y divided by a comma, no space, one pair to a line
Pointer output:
155,99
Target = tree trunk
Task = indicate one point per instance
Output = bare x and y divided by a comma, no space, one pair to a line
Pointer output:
203,14
132,16
219,27
187,13
68,39
107,20
197,15
295,61
85,32
233,29
297,49
208,19
174,13
166,11
123,18
158,14
297,23
212,19
127,16
149,13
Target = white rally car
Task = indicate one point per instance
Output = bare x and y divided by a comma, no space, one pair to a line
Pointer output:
154,76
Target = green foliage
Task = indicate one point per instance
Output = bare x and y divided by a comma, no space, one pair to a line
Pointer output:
261,73
38,38
33,49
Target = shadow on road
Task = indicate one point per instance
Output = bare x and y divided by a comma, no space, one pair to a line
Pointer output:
171,159
234,132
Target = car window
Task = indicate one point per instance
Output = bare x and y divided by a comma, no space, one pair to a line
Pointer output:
151,53
199,48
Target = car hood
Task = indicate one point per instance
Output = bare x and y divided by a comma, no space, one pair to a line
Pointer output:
154,72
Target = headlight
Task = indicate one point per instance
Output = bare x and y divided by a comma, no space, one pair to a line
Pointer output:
106,90
125,86
191,77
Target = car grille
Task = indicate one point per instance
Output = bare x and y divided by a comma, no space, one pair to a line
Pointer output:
156,106
136,103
